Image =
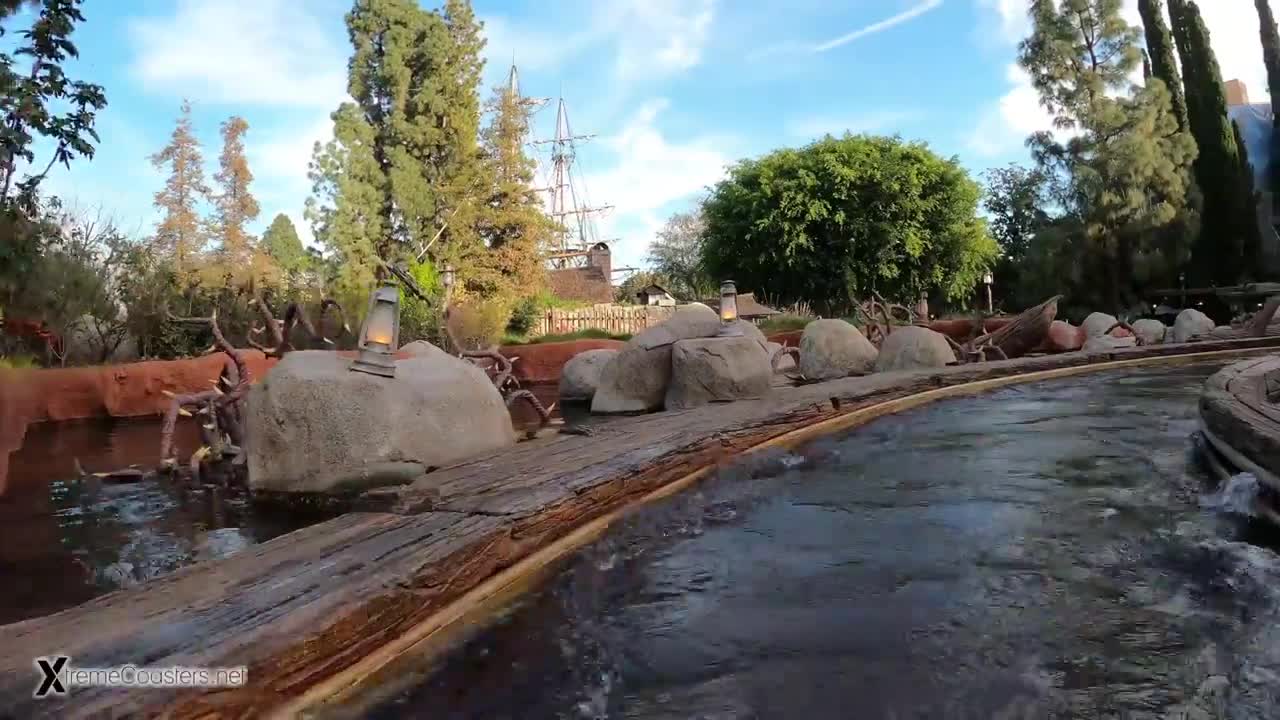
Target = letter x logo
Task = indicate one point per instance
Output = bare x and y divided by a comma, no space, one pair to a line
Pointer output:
51,680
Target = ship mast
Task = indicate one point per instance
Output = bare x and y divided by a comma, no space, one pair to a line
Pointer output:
568,206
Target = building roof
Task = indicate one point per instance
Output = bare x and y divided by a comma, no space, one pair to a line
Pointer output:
747,306
653,289
585,283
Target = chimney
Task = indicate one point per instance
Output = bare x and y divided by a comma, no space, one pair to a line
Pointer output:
1237,93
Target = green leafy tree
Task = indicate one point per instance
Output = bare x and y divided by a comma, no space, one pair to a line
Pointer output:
403,151
1015,201
1122,174
180,236
627,291
676,254
1228,249
1160,52
1271,56
832,221
282,243
38,102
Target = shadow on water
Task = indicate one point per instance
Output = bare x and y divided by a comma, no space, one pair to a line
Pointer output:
1047,550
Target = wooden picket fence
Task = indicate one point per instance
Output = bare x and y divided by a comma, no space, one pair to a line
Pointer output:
611,318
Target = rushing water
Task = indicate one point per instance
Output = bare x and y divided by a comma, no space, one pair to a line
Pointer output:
1047,550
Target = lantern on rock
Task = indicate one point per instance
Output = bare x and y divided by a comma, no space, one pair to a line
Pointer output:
380,334
729,310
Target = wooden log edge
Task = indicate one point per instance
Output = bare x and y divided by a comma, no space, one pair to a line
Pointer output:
438,632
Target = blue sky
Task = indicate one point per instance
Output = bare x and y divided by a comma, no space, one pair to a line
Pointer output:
674,89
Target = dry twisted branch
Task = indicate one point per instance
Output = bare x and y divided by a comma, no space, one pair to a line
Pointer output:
281,331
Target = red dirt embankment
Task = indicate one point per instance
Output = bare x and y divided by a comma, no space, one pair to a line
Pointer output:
541,362
137,389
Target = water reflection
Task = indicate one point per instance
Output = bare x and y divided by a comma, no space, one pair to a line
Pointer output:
1049,550
67,540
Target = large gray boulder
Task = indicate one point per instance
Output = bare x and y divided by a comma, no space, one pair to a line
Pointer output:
1189,323
636,379
1223,332
831,349
419,348
580,376
1151,331
315,426
912,348
1097,324
717,369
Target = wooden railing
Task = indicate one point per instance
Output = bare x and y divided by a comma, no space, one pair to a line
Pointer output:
612,318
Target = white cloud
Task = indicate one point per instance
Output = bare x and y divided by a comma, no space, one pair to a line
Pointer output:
1233,28
880,26
261,52
876,121
1007,123
647,174
1012,19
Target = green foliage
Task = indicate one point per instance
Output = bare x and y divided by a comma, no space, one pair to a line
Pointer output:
1271,57
627,291
1229,249
42,103
587,334
524,316
833,221
404,154
17,362
1160,51
420,319
676,255
282,243
784,323
479,325
1121,179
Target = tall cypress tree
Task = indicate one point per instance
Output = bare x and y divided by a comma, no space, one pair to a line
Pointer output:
1160,52
1271,56
1227,250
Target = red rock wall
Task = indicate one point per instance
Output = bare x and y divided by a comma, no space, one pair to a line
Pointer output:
541,362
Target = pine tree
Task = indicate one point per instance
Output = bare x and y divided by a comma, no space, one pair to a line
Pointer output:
1160,53
404,152
1227,250
1125,171
1271,56
512,222
180,236
282,243
238,256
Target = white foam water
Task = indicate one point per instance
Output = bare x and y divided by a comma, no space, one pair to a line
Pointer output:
1236,496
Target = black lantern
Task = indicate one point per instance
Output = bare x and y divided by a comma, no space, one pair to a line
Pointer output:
729,310
380,335
988,279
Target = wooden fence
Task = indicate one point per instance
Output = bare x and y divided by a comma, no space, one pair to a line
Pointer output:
612,318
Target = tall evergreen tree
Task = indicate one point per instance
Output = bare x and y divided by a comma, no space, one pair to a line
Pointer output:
394,168
282,243
1123,175
1160,53
1271,56
180,236
512,222
234,208
1227,250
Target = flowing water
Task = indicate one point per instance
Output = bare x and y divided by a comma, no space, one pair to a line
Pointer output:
1046,550
64,540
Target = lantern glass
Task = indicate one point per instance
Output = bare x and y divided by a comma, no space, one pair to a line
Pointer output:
380,334
988,279
728,302
380,328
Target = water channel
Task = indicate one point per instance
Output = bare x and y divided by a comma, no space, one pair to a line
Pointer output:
1045,550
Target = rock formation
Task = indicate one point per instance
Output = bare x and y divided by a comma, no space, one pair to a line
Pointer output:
316,426
717,369
581,375
832,349
1191,322
1149,331
636,379
914,347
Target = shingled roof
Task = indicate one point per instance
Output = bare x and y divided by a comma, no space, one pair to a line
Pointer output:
587,284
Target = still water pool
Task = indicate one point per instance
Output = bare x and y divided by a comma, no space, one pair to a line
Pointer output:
1046,550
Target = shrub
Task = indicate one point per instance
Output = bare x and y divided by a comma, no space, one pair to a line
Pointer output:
784,323
479,325
588,334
